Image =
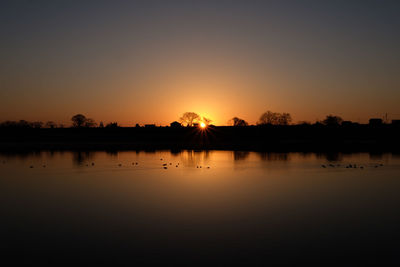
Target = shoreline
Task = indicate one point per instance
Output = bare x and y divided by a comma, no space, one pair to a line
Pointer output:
295,138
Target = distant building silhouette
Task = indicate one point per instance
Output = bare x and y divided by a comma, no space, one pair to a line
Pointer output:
112,125
375,121
396,122
175,124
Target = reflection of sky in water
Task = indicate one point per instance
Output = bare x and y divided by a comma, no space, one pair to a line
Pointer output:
244,202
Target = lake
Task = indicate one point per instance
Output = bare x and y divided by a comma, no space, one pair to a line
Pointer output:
199,207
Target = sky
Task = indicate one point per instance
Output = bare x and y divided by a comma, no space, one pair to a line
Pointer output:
151,61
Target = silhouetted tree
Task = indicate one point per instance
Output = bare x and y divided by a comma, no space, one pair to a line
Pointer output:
284,119
24,124
332,120
101,125
268,118
50,124
189,118
275,118
9,124
36,124
235,121
78,120
21,124
206,121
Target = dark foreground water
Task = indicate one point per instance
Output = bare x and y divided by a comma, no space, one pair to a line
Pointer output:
216,207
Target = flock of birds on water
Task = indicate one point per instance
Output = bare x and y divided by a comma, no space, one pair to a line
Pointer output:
349,166
164,165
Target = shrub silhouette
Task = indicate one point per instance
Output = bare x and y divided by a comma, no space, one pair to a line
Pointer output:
332,120
235,121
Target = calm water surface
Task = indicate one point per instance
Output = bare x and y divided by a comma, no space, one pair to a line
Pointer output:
218,207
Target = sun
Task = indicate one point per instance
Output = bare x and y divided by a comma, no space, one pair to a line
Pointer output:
202,125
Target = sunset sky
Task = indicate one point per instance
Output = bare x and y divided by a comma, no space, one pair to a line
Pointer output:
150,61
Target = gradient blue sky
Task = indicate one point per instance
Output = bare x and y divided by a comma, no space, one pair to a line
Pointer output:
150,61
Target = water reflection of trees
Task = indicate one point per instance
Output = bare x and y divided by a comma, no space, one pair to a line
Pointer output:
21,154
395,154
175,152
240,155
112,153
376,155
150,151
273,156
330,156
79,158
193,158
305,154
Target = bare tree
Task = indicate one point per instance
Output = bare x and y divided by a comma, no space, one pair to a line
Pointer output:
78,120
206,121
189,118
235,121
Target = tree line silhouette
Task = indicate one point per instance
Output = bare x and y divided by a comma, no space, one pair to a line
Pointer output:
188,119
273,131
27,124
